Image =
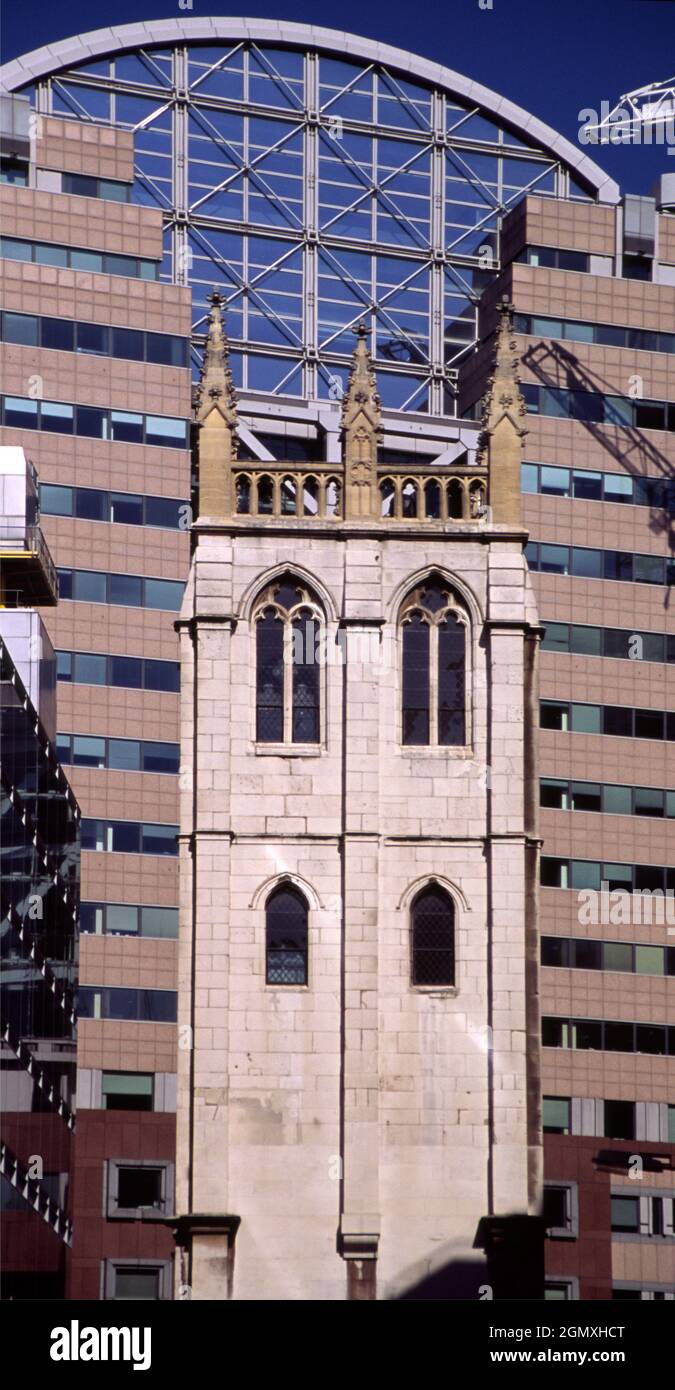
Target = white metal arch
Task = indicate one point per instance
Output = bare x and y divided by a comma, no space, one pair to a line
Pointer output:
84,48
327,235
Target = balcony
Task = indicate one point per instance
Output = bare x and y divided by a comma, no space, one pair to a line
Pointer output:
29,577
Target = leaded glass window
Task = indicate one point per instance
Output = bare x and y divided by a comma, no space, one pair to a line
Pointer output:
434,640
288,624
433,938
286,937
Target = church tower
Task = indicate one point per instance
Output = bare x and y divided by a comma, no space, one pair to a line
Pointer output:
358,1110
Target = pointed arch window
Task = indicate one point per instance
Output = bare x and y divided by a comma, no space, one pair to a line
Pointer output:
434,677
288,625
432,929
286,937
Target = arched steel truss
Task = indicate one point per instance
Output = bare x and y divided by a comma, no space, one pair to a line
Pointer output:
319,181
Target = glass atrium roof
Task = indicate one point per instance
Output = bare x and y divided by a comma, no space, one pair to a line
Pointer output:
316,191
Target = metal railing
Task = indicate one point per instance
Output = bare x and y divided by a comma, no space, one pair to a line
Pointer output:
18,538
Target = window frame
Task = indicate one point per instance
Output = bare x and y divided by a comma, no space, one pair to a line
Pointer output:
411,603
265,601
567,1281
109,1270
287,885
568,1127
570,1230
419,987
648,1226
135,1109
630,1138
114,1212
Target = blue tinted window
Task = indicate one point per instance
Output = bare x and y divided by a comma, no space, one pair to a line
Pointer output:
16,250
126,426
90,669
91,422
128,342
57,417
86,260
126,837
64,666
89,586
159,839
93,834
56,500
57,333
120,1003
162,675
85,1002
125,754
88,751
113,191
50,255
555,482
124,589
163,593
63,742
20,413
158,1005
92,337
120,265
587,563
20,328
167,350
529,477
586,640
126,508
126,671
160,757
161,430
163,511
91,504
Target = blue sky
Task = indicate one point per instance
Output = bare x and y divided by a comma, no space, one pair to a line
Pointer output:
554,59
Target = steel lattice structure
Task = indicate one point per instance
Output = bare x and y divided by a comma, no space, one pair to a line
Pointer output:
652,105
319,180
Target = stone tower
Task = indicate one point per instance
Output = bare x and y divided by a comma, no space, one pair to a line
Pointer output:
358,1107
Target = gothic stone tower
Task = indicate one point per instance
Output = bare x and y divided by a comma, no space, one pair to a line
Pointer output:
358,1098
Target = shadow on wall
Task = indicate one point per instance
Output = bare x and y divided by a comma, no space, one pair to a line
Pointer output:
512,1266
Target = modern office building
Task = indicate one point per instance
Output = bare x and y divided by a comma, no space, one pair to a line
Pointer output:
39,857
96,389
319,181
594,295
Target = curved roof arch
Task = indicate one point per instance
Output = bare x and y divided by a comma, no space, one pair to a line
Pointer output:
87,48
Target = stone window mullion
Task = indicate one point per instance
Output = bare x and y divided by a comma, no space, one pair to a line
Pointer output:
288,678
433,685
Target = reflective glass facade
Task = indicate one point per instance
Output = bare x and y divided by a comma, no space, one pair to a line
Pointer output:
39,835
